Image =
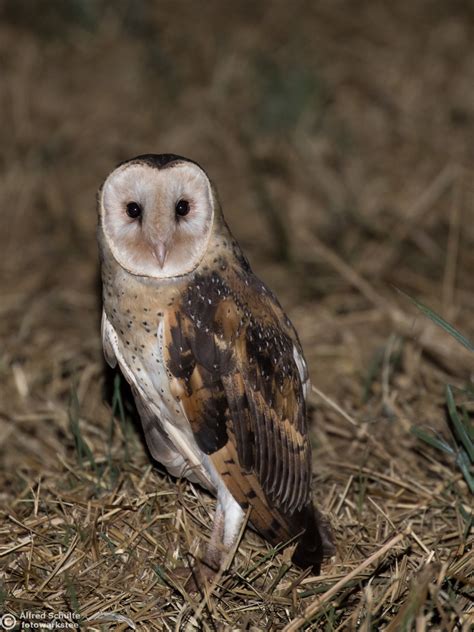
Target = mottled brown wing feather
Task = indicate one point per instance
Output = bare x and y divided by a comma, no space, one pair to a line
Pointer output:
231,365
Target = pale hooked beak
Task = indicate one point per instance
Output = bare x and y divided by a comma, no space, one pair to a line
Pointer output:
160,251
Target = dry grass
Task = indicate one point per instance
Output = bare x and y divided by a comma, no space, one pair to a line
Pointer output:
341,137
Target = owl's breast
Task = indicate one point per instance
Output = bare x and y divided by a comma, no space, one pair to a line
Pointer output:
135,312
137,343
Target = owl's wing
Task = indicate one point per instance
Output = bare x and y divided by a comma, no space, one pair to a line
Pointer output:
232,365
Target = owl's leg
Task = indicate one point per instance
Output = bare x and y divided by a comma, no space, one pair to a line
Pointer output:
233,518
208,565
225,529
213,552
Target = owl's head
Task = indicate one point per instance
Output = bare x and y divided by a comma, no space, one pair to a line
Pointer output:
156,214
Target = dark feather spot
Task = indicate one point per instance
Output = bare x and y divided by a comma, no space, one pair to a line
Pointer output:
211,432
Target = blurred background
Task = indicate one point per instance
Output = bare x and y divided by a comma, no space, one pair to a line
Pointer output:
340,136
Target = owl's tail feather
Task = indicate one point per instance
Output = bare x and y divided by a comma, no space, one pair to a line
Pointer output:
316,543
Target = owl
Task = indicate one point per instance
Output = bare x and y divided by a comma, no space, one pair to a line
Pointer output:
215,366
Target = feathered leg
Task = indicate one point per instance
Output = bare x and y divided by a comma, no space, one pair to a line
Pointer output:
225,529
213,554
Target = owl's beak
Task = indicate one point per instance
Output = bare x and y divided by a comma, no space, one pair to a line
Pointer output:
161,252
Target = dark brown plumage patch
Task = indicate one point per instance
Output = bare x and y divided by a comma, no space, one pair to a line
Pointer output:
212,434
181,361
158,161
230,349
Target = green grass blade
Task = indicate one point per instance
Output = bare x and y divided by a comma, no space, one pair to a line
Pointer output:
468,423
464,465
82,448
468,519
434,442
459,428
117,406
438,320
374,367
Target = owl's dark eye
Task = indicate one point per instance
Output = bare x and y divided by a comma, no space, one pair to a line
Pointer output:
182,208
134,210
